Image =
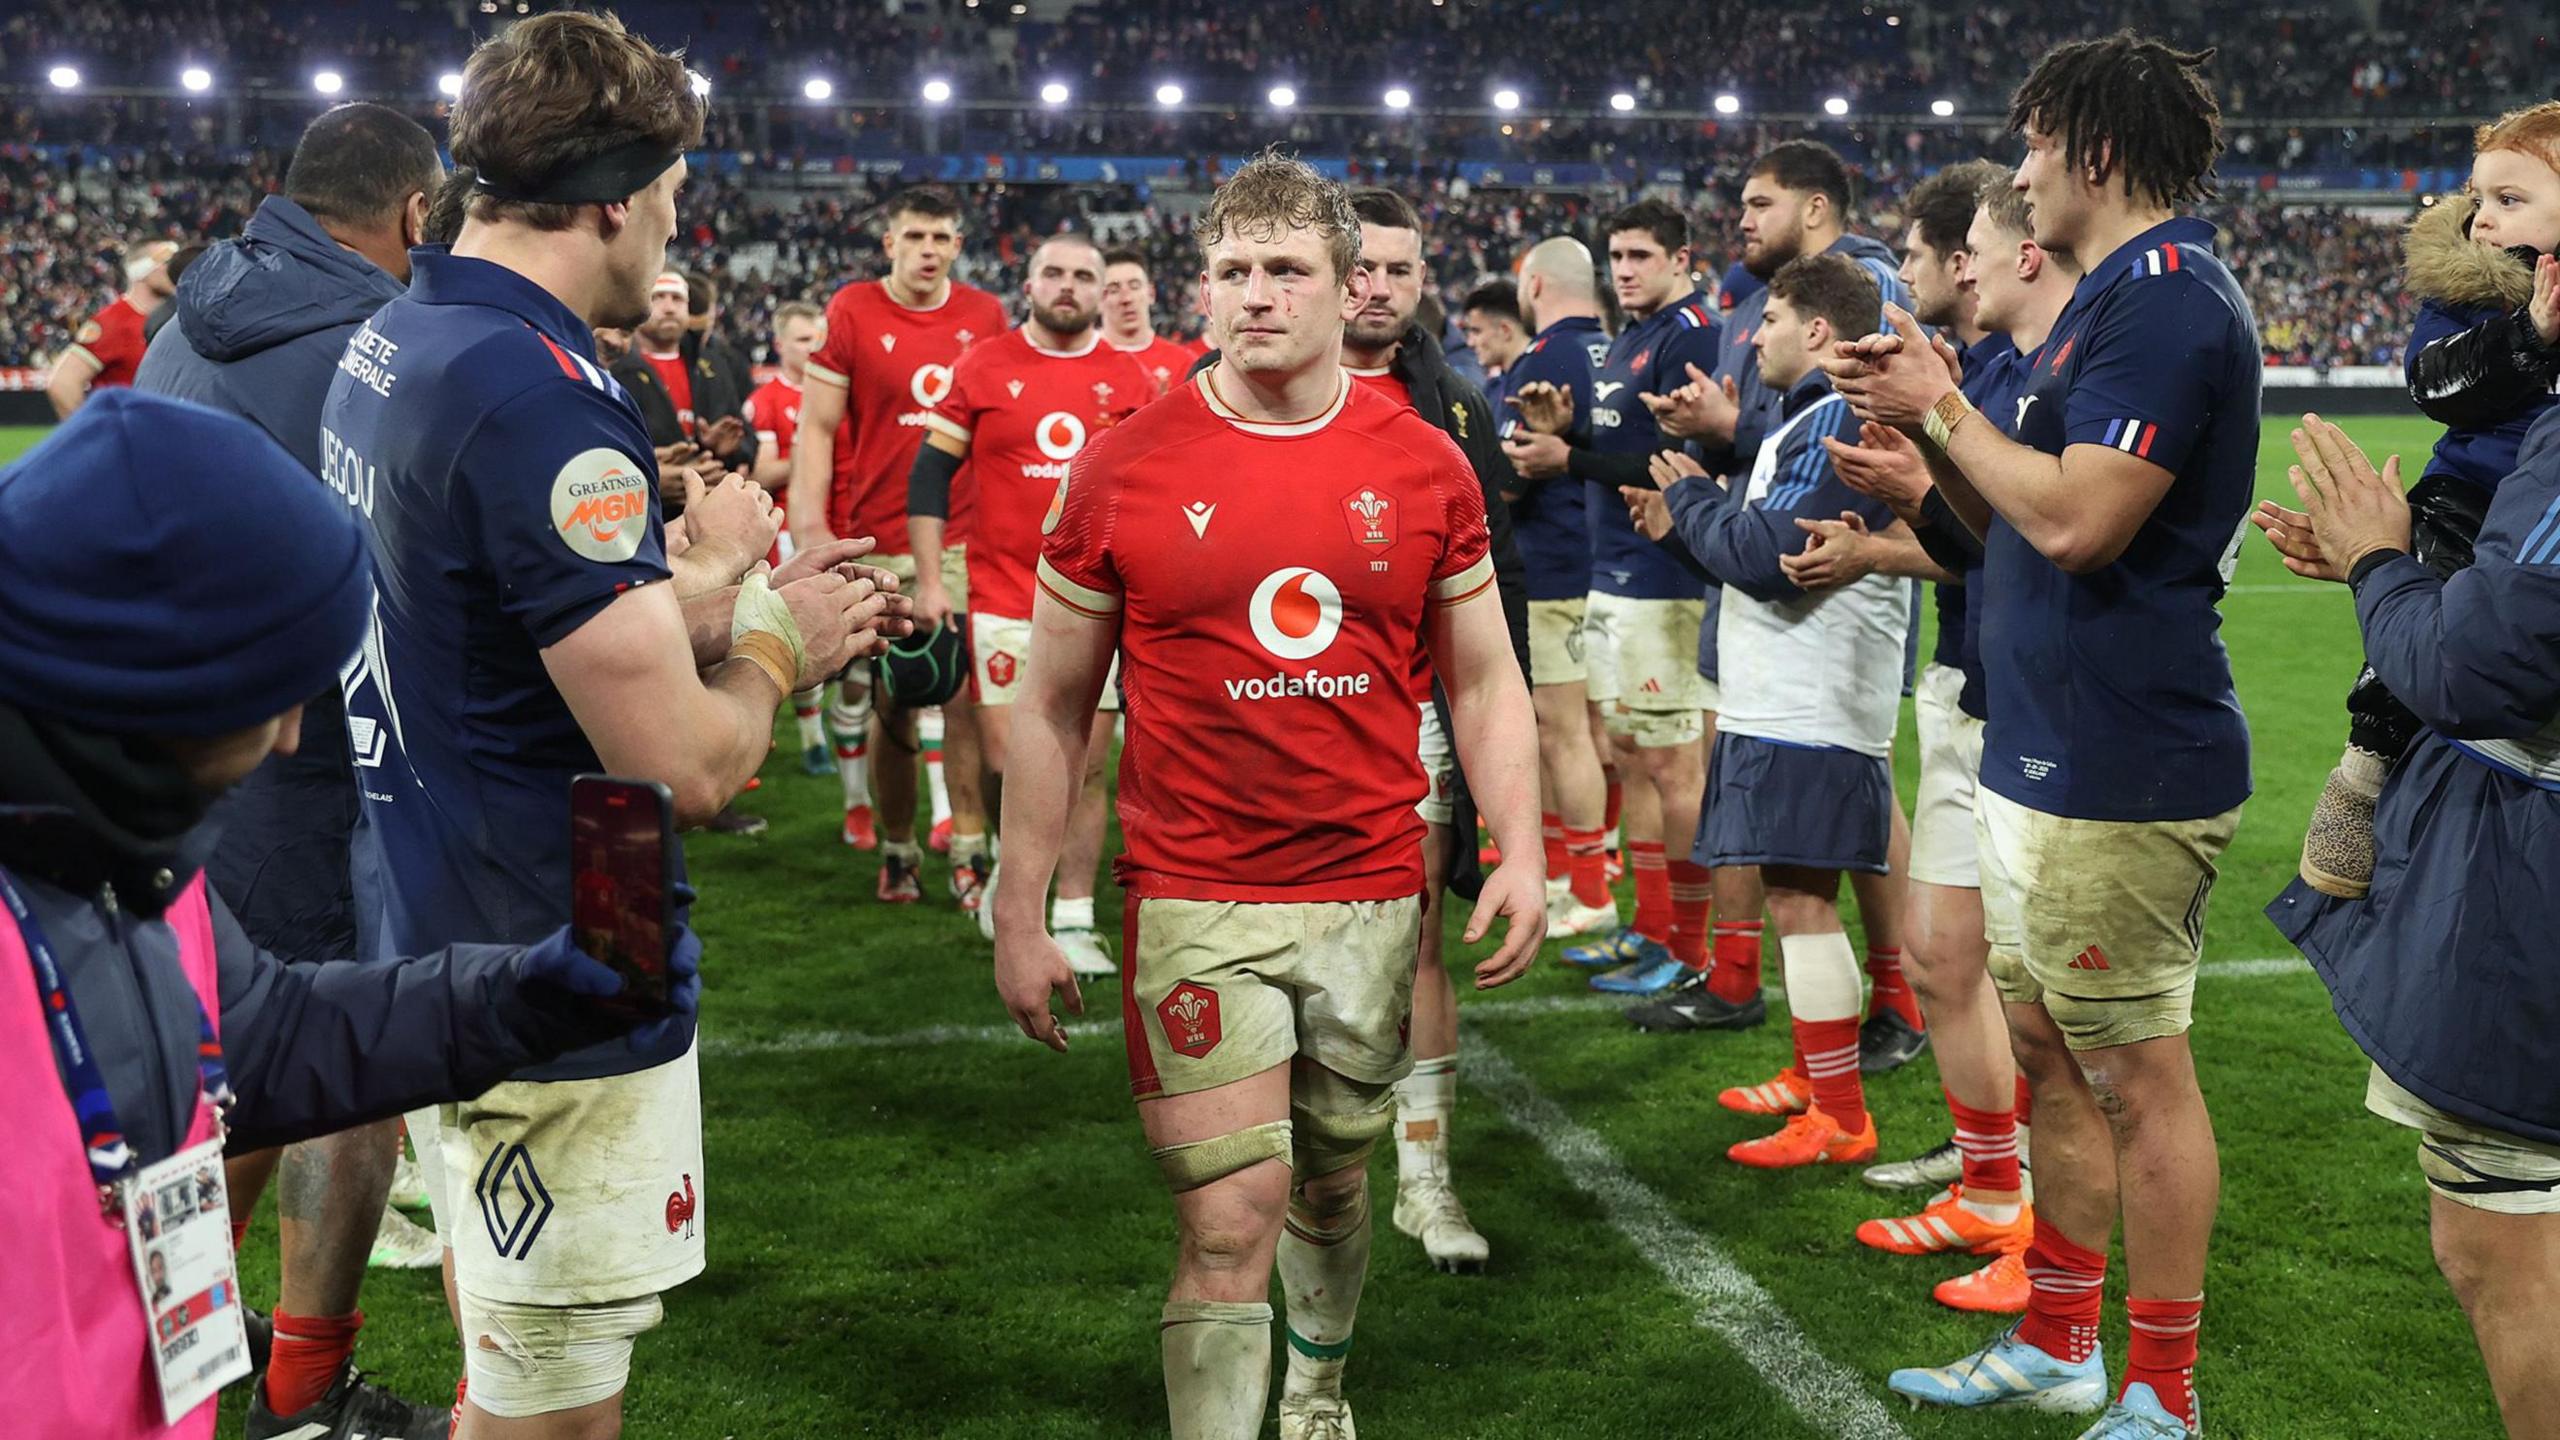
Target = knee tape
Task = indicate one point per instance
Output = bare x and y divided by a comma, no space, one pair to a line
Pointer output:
1345,1213
1190,1166
1663,729
1338,1119
527,1360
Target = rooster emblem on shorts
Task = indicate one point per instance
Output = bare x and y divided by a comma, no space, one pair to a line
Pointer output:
680,1207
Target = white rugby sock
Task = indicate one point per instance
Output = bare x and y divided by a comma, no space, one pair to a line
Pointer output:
808,707
1217,1368
850,718
1066,914
1424,1100
1323,1261
929,740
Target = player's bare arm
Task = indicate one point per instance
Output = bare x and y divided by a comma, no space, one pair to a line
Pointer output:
2079,511
924,536
1496,733
68,384
813,458
1052,721
628,676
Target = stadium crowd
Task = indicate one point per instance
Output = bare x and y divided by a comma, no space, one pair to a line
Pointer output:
516,566
2303,58
2324,280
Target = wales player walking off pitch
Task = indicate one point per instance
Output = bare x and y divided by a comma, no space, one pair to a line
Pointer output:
1267,547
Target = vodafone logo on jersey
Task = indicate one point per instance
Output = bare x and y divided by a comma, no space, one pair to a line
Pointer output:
1059,435
1295,614
930,383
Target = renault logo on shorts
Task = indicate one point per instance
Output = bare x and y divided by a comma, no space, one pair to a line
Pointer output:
1059,435
929,384
1296,613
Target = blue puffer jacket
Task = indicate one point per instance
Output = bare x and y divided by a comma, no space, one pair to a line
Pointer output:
261,321
2476,365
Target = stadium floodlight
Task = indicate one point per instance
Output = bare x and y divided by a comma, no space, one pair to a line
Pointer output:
1835,106
1622,102
1942,108
818,87
1728,104
937,91
196,79
700,82
1168,95
63,77
1282,97
1506,99
328,82
449,85
1399,99
1054,93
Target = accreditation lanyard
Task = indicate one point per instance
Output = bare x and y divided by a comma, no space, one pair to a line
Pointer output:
110,1158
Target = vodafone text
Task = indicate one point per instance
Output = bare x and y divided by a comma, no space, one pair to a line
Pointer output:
1310,684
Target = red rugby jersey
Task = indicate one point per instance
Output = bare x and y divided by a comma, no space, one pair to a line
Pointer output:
1270,584
895,365
1025,412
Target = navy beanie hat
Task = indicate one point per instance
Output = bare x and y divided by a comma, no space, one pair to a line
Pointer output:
166,569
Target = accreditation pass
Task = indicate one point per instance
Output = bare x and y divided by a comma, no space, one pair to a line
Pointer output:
177,1220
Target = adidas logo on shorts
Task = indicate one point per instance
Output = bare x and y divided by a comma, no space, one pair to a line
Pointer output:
2092,958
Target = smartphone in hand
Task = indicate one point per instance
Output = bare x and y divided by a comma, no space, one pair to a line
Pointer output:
622,859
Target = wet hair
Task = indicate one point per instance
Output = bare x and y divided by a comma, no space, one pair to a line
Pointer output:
1272,193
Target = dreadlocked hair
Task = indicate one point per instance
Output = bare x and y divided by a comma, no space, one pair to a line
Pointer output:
2128,104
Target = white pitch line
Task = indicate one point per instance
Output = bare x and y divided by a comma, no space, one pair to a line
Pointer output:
1521,1007
1834,1399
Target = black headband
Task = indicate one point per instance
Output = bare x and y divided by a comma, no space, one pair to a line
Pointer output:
608,177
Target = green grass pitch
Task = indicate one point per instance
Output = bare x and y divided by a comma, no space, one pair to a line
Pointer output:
964,1238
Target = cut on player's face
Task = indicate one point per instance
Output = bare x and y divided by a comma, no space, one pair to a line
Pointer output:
1642,271
1274,301
2519,200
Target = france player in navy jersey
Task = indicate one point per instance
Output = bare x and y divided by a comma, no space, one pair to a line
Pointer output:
1560,303
1641,626
1796,202
2011,293
2442,971
1800,784
536,620
2115,758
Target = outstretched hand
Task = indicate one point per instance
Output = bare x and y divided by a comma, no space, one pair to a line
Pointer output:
2351,509
1515,893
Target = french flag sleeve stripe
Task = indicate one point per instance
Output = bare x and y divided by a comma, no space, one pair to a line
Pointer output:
1463,586
1082,599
